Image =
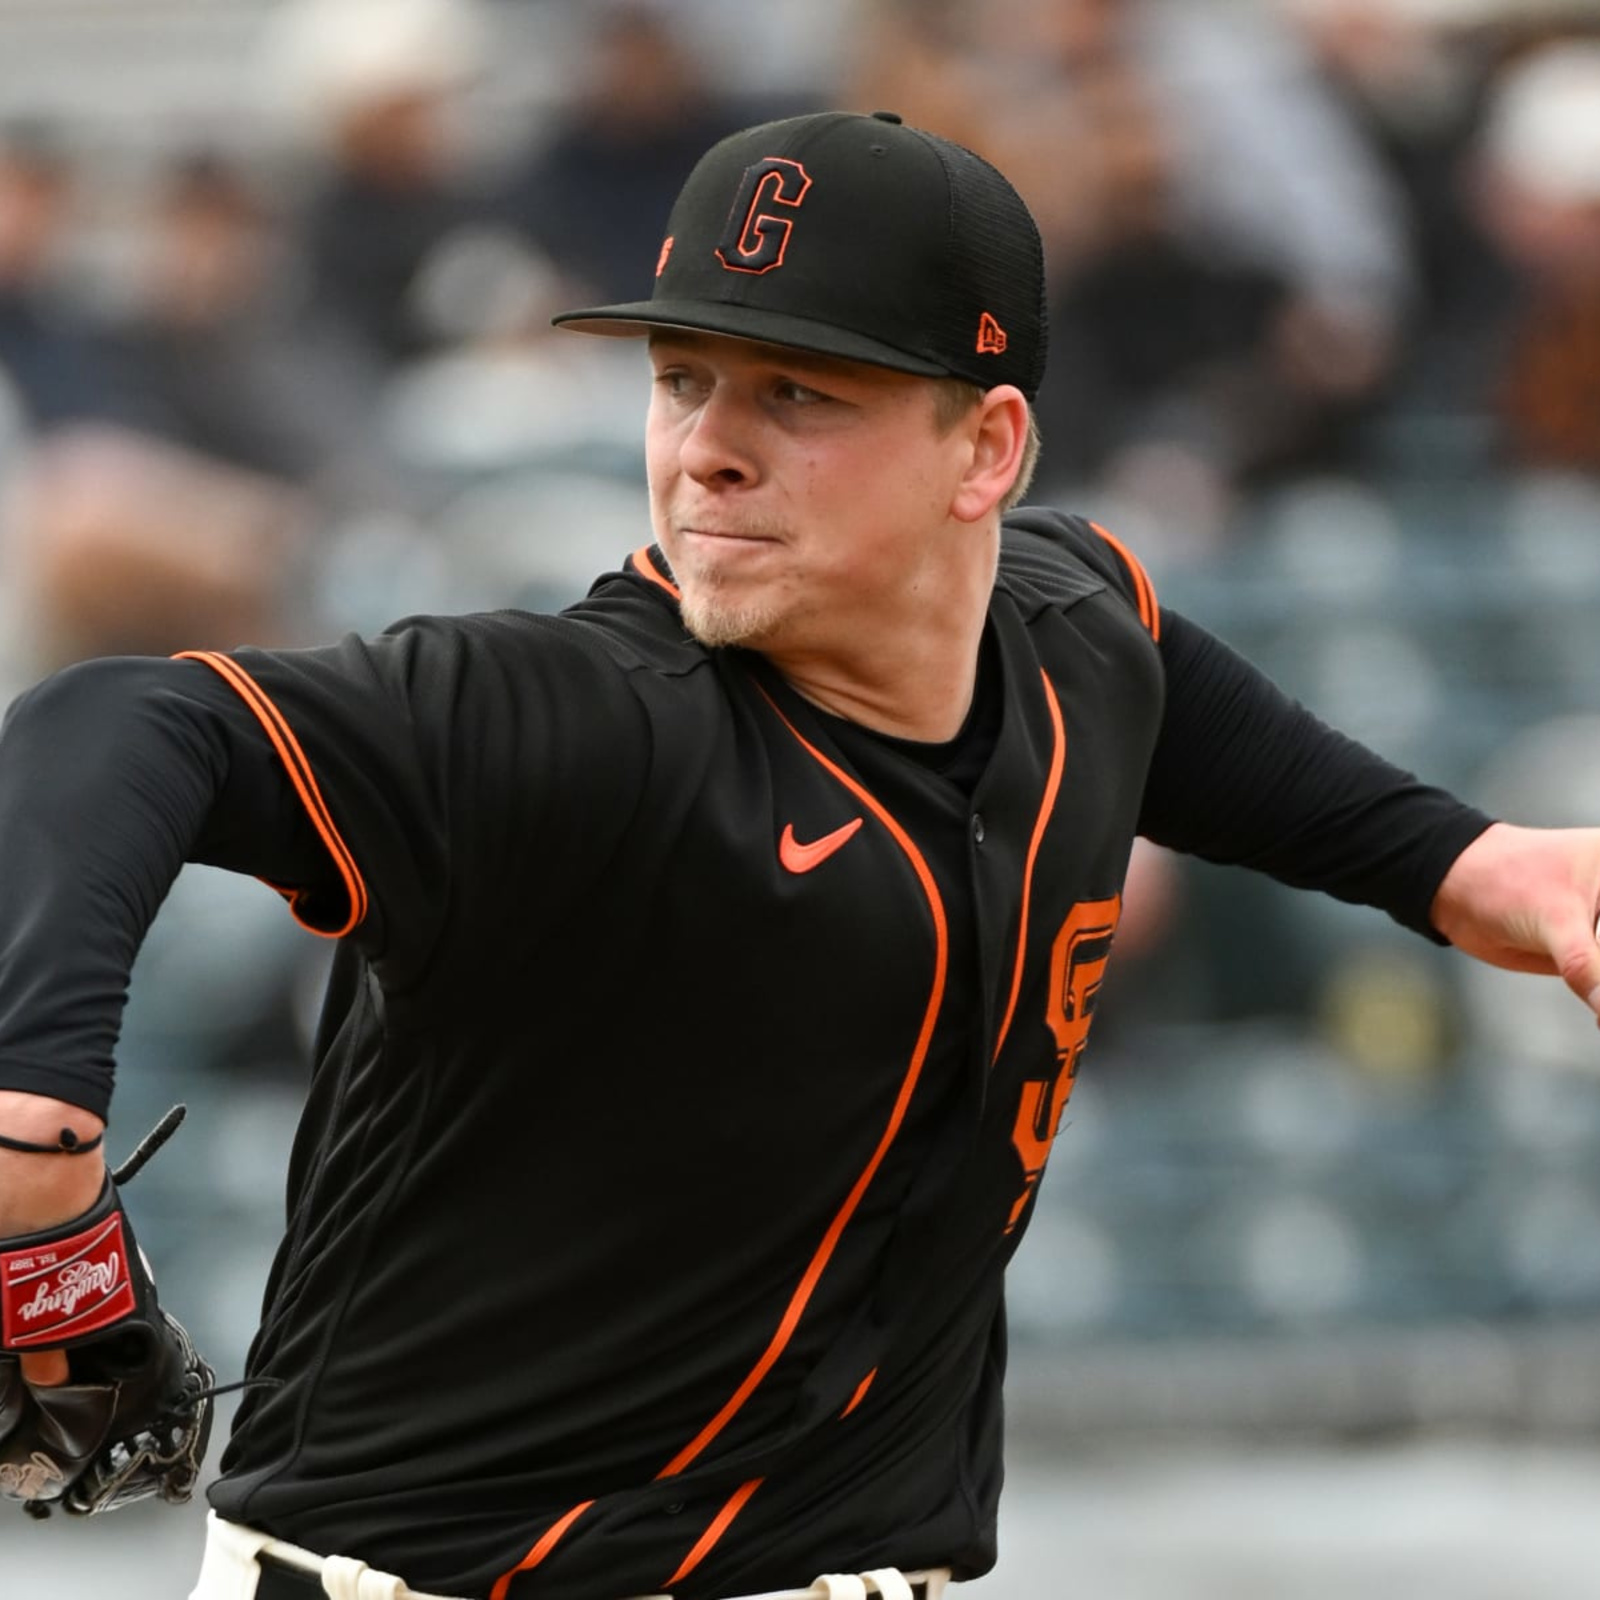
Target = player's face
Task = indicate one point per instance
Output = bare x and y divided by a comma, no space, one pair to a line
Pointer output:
799,498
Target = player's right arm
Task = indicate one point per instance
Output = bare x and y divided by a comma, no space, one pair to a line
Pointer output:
109,774
361,779
112,775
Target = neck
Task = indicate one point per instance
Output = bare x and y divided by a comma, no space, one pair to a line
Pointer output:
914,680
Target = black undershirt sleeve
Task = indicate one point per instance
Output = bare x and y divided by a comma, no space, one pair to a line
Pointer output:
1246,776
112,775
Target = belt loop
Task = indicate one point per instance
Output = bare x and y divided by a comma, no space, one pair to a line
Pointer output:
841,1586
890,1582
346,1579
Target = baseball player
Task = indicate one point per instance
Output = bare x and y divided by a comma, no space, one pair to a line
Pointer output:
714,959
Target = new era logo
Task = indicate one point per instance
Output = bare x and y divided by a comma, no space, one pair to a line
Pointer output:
992,339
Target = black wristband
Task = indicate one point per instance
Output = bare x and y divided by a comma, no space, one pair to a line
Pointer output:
70,1145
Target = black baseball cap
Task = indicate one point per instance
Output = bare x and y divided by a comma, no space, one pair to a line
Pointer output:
854,236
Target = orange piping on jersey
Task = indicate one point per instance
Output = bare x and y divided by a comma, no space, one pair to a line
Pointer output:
1149,611
830,1240
860,1394
719,1526
1052,787
300,774
552,1537
646,568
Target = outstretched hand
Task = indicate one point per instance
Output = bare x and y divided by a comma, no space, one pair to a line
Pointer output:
1527,899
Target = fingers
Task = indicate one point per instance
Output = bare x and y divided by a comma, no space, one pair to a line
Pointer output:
45,1369
1575,951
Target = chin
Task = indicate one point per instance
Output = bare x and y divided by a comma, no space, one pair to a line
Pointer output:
718,622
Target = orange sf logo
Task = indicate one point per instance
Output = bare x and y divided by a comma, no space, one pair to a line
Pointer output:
1077,966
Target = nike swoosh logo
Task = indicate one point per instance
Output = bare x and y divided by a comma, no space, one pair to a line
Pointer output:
799,857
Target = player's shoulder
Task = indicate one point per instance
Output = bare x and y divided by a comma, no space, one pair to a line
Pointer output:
1061,558
628,621
633,615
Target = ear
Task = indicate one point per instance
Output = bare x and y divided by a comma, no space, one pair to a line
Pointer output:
998,429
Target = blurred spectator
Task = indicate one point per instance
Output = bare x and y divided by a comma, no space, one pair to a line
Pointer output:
51,355
1539,196
227,355
531,436
1227,255
112,540
1267,165
1169,375
375,88
510,391
925,60
791,48
1410,74
123,545
594,192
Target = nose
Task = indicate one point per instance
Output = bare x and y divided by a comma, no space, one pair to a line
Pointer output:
719,446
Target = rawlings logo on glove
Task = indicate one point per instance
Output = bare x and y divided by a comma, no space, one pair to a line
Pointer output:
134,1418
78,1286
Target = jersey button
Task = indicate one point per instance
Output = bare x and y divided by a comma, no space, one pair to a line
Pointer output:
977,827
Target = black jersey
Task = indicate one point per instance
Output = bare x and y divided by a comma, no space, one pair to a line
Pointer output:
690,1063
679,1029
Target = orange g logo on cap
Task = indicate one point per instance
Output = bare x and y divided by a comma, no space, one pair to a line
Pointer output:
756,237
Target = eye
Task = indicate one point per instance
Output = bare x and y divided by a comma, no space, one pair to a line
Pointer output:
799,394
674,382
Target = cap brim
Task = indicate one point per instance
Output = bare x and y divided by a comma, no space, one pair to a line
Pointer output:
635,320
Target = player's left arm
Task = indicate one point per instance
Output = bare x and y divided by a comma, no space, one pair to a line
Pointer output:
1527,899
1243,775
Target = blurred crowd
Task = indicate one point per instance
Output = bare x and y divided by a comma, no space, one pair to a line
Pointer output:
278,363
296,371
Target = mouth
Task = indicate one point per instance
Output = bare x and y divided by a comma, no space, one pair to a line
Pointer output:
724,538
736,535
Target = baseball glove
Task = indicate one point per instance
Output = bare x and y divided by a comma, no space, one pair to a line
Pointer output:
134,1419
